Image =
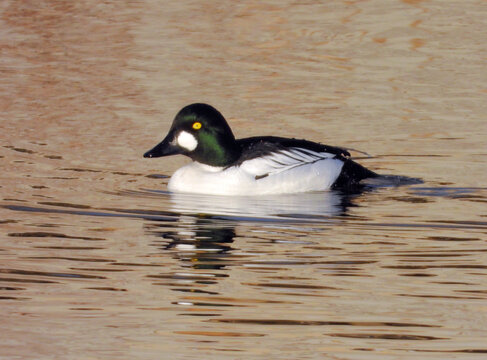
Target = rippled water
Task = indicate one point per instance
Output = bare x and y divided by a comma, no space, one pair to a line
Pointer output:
99,261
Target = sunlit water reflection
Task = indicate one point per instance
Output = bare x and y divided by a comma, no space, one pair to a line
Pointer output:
247,268
97,260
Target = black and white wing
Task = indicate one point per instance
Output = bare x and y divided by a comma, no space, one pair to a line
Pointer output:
283,160
270,155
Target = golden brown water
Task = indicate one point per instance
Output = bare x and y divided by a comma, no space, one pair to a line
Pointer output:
97,261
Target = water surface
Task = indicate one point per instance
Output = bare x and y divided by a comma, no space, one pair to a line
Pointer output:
99,261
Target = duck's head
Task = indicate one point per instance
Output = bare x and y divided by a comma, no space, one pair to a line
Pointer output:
202,133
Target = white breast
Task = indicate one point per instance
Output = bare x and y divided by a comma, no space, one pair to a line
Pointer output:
289,171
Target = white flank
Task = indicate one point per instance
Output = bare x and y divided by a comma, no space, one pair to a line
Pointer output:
187,141
287,171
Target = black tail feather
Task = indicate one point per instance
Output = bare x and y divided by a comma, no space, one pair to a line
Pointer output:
351,175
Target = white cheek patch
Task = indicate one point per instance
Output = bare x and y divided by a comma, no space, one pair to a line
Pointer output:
187,141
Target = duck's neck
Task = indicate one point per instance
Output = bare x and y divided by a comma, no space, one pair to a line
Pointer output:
217,151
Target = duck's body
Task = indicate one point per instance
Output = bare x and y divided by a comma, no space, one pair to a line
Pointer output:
252,166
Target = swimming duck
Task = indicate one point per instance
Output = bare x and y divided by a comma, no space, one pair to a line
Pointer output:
223,165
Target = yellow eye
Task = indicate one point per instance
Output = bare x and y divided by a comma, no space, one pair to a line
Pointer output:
197,125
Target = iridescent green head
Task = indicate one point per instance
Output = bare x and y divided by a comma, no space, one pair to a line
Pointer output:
202,133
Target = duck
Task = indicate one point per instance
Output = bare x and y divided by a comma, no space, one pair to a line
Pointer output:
260,165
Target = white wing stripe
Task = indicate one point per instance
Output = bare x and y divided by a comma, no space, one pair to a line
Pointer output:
283,160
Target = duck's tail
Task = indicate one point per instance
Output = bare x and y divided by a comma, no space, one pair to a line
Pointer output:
351,175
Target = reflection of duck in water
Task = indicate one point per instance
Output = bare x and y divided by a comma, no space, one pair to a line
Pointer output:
201,242
309,206
223,165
